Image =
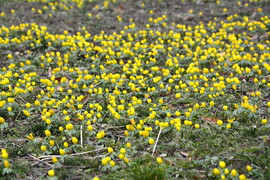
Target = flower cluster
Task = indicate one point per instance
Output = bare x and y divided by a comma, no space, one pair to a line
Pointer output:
117,91
224,173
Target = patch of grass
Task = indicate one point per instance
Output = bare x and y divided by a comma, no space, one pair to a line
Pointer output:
145,168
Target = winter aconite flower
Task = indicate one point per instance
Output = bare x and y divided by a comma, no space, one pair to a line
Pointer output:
110,149
151,141
242,177
69,126
74,140
222,164
4,155
43,148
249,168
61,151
6,164
220,122
104,161
216,171
2,120
159,160
264,121
123,151
51,173
112,163
54,159
234,172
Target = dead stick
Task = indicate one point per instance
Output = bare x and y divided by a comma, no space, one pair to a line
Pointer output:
39,160
81,136
156,141
75,154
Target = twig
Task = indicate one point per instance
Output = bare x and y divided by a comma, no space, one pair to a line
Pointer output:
81,137
39,161
156,141
22,99
75,154
97,156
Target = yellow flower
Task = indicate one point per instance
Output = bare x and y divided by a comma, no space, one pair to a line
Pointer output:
264,121
220,122
242,177
126,160
233,172
228,126
249,168
74,140
177,95
9,56
159,160
123,151
69,126
61,151
54,159
28,105
43,148
121,156
2,120
6,164
216,171
66,144
5,155
222,164
197,126
99,136
104,161
231,120
51,142
223,177
90,128
151,141
30,137
47,132
112,163
51,173
128,145
110,150
61,128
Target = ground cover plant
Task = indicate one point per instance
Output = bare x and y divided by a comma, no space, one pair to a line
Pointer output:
122,89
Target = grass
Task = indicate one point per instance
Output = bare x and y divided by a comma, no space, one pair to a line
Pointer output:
86,86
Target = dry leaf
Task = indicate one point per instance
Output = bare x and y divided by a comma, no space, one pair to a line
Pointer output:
185,154
50,72
210,120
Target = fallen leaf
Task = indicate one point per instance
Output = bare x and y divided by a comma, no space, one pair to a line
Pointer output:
210,120
50,72
185,154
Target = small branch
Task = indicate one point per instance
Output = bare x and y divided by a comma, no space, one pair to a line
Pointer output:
75,154
96,156
37,159
81,136
156,142
22,99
